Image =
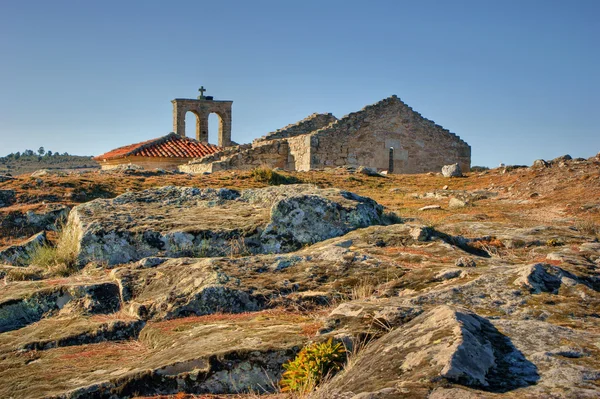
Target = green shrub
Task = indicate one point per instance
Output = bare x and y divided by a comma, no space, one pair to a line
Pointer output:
554,242
267,175
312,364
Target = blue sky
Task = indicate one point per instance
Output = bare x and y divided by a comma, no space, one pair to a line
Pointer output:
517,80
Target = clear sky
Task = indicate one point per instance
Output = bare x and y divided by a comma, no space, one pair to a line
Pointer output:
518,80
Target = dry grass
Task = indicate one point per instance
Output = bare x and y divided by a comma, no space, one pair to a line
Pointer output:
588,226
554,186
59,260
364,289
180,324
238,248
250,395
24,274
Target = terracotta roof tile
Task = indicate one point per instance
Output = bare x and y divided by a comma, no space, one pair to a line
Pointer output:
169,146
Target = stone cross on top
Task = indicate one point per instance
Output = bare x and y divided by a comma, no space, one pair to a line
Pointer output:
201,90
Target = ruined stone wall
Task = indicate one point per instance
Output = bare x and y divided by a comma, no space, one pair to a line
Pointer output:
365,137
222,154
309,124
273,154
299,153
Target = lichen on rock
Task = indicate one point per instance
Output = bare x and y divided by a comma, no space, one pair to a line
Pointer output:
187,221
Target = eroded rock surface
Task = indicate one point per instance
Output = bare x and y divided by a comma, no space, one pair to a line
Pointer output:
470,302
21,254
445,342
185,221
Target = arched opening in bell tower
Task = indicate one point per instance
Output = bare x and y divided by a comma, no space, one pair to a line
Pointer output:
191,124
215,127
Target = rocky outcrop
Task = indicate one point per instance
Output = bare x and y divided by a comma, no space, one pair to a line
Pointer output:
224,355
451,170
17,313
445,342
7,198
49,217
186,221
368,317
21,254
88,299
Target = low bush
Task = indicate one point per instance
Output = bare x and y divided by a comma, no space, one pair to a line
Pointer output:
479,168
312,365
267,175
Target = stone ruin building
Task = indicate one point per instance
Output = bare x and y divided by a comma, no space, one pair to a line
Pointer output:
386,136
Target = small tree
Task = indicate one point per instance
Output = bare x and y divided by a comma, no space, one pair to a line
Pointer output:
17,155
41,151
49,153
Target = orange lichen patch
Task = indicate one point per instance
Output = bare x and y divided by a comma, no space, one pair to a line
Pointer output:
406,250
492,242
310,330
543,259
169,146
126,351
57,281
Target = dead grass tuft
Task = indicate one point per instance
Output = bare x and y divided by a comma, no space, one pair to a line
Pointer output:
588,226
24,274
364,289
59,260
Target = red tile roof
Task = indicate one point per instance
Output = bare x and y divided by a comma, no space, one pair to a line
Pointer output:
169,146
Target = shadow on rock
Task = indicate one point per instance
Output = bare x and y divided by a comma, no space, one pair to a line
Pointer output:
442,345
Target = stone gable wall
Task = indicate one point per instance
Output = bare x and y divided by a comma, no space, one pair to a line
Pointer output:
309,124
365,137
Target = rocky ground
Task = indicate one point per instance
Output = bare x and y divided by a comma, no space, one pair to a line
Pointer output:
483,286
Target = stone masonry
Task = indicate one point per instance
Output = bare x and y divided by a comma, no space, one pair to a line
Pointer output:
387,135
202,107
309,124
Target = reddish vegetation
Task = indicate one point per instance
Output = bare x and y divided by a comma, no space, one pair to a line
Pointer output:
492,242
542,259
310,330
104,350
406,250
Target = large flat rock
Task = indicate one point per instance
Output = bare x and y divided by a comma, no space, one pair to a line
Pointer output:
444,343
217,354
187,221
